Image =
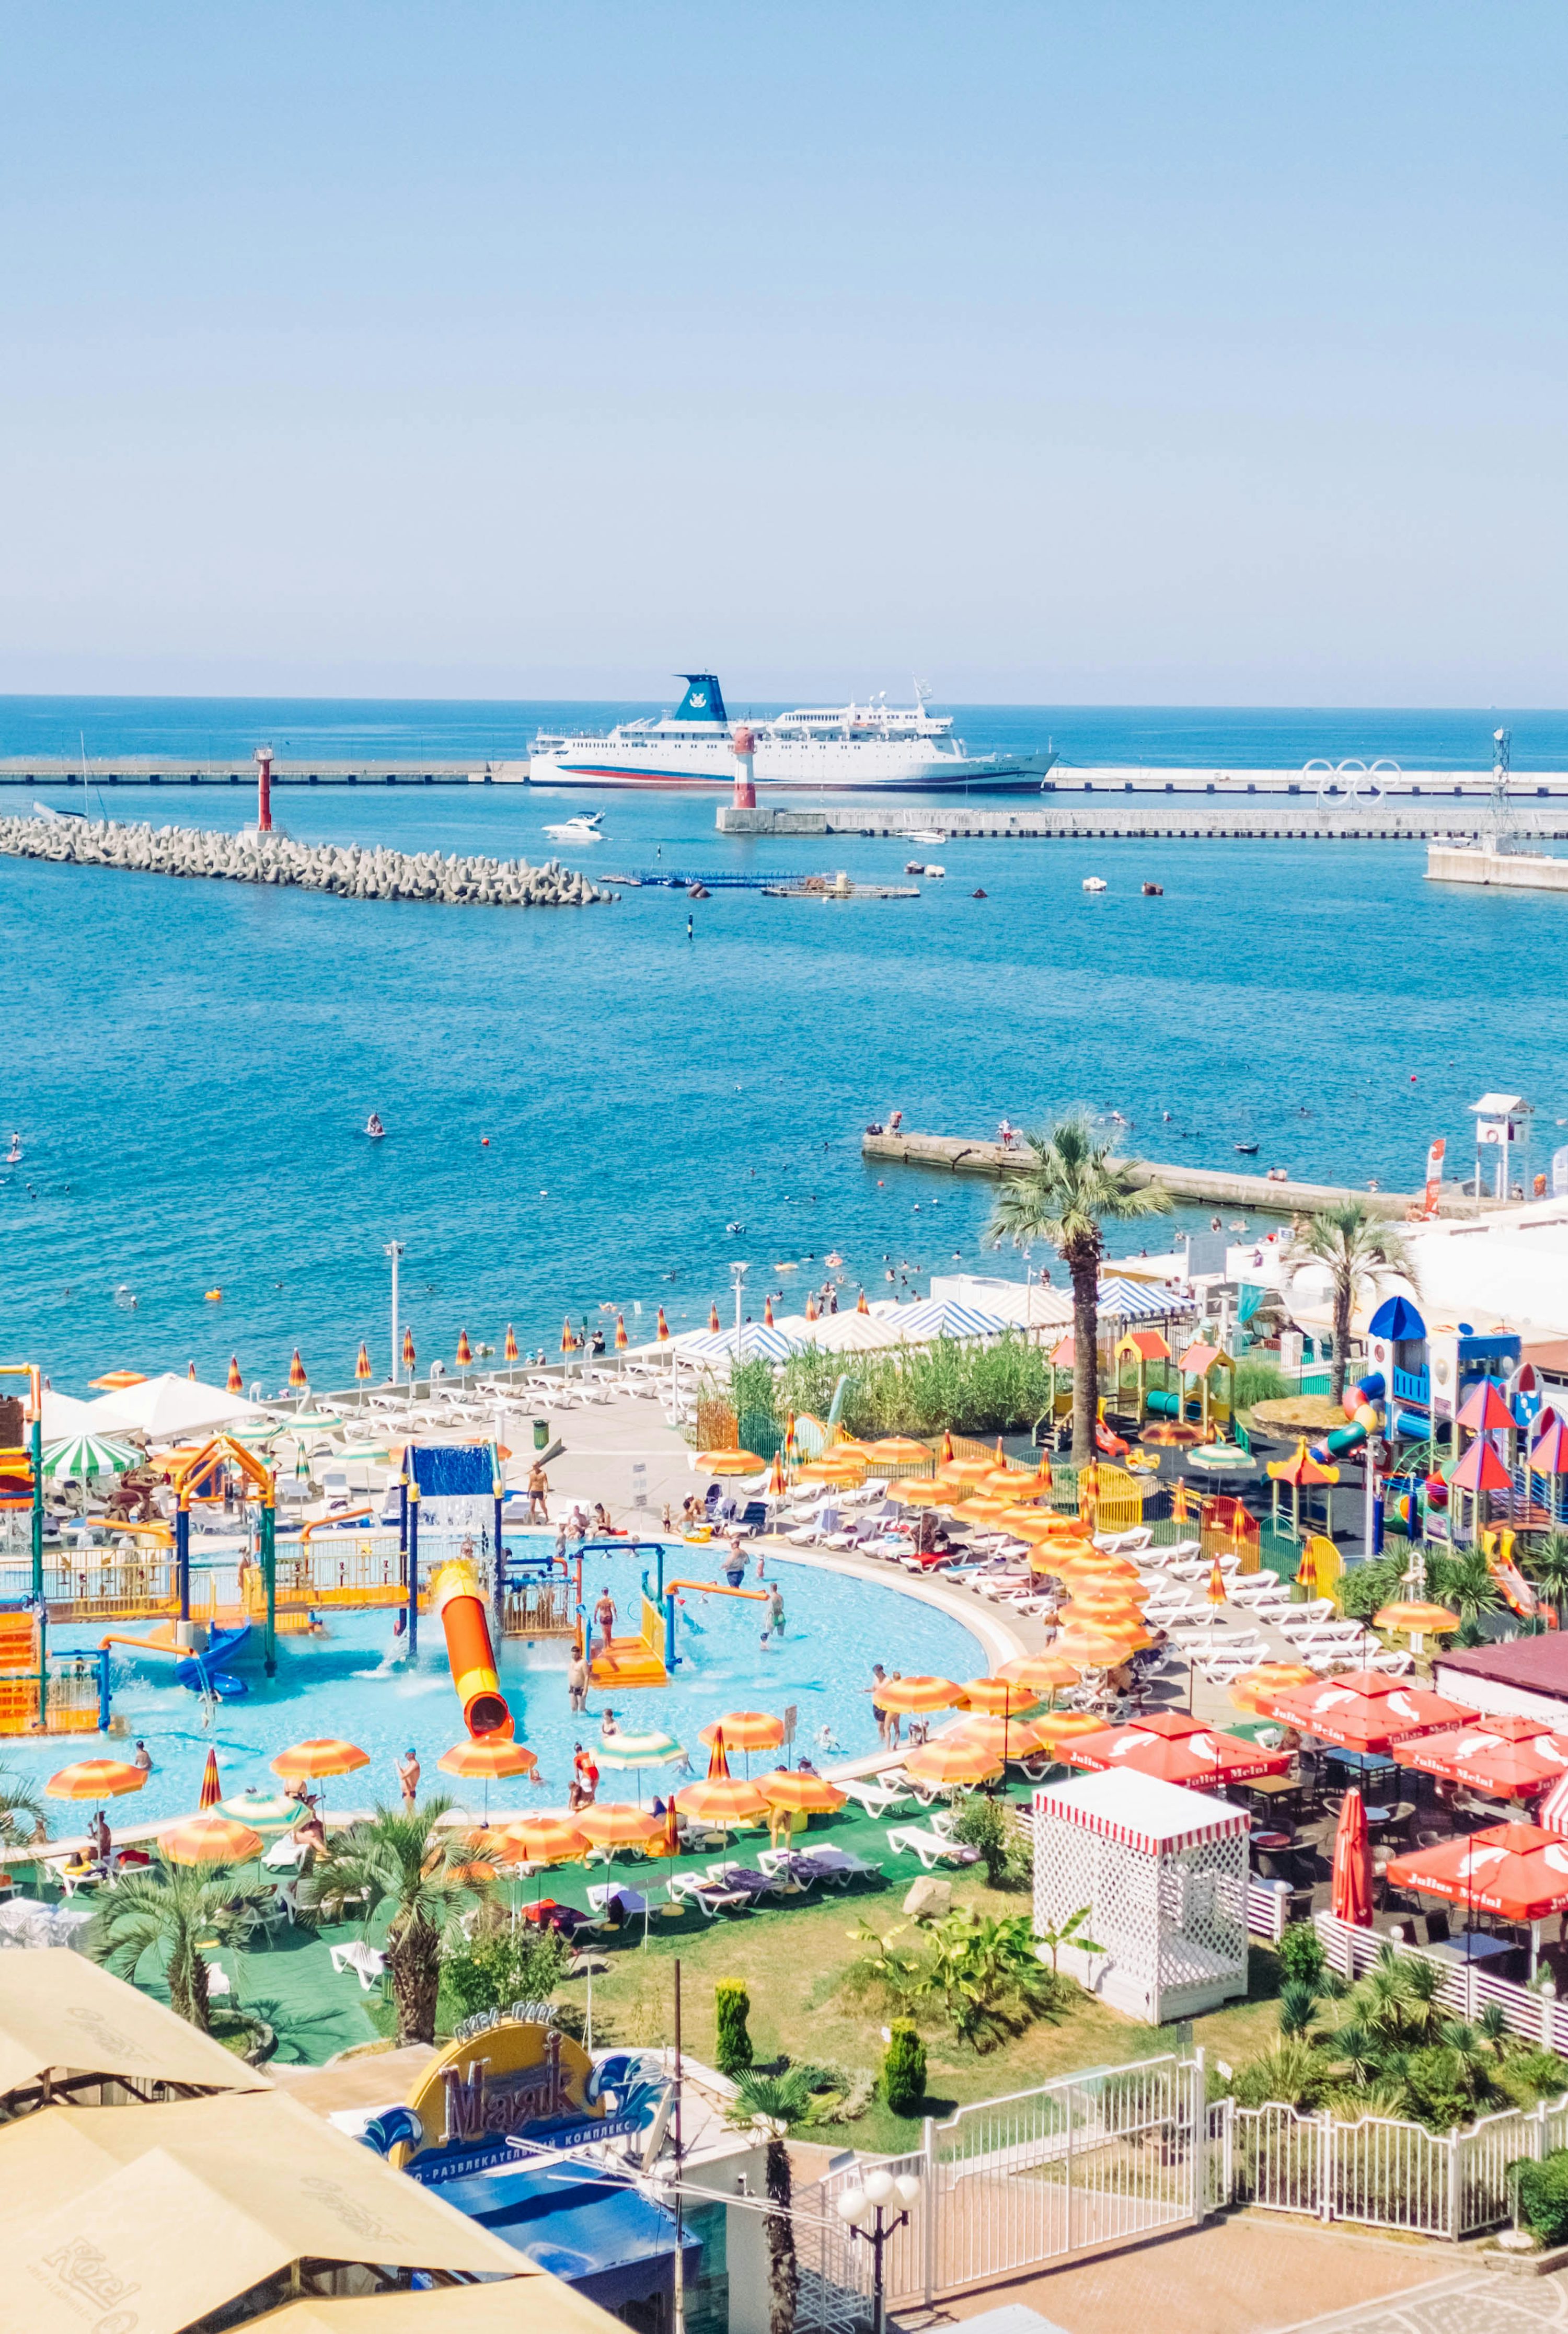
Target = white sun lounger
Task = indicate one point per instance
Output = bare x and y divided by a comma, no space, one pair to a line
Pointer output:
366,1961
877,1798
919,1839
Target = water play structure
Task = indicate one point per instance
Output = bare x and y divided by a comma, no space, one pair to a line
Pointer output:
457,1596
648,1657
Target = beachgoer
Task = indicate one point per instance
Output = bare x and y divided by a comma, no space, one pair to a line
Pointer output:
560,1543
408,1776
98,1833
775,1611
538,1487
312,1833
667,1520
604,1617
142,1757
577,1682
608,1728
601,1523
733,1564
585,1766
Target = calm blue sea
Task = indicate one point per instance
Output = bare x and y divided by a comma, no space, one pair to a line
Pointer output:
190,1065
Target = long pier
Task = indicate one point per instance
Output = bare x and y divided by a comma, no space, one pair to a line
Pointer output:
1213,1186
1150,817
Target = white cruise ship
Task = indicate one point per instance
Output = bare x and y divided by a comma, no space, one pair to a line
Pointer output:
836,750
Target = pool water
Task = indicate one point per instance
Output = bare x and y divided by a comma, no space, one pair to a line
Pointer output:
356,1681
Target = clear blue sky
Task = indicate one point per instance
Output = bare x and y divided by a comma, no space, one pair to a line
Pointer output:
1061,353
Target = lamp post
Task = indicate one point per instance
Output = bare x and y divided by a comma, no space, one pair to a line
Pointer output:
864,2211
740,1272
394,1248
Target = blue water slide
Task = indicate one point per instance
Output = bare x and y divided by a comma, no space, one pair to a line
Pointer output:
202,1673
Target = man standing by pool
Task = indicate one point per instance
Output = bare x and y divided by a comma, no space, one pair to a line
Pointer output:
577,1682
538,1490
408,1776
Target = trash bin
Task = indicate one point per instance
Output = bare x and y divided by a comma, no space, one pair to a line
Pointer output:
541,1432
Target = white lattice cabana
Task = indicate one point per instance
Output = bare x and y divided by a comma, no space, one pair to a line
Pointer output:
1163,1872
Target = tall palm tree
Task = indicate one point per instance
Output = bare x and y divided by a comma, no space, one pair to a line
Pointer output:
161,1912
1360,1251
406,1865
1066,1189
776,2102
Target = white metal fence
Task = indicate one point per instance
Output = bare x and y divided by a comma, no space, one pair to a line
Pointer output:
1381,2172
1466,1989
1010,2184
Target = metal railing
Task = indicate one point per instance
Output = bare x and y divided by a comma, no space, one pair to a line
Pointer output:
1009,2184
1466,1989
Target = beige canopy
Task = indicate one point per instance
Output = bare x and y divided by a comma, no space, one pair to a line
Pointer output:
63,2018
189,2205
551,2308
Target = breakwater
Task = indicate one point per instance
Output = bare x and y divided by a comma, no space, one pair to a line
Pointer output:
346,871
1213,1186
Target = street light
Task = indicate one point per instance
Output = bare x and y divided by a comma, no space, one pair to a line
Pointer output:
863,2210
394,1248
739,1271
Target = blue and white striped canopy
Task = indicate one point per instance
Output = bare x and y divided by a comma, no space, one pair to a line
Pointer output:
939,1317
1133,1300
757,1342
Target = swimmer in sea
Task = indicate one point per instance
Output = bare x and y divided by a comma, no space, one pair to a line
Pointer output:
373,1126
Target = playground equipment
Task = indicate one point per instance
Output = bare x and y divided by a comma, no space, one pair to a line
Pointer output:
648,1658
195,1659
193,1478
1363,1408
457,1595
1302,1472
44,1694
1141,1361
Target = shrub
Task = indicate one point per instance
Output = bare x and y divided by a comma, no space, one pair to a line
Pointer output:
732,2007
987,1823
1544,2198
1302,1959
1259,1381
500,1965
904,2068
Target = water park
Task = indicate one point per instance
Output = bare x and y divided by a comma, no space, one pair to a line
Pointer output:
520,1766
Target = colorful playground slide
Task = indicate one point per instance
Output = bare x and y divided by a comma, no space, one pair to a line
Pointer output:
458,1595
200,1672
1363,1409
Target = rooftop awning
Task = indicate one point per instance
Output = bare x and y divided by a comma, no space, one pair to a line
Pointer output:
1121,1299
62,2014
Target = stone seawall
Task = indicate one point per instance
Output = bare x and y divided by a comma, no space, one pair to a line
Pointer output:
348,871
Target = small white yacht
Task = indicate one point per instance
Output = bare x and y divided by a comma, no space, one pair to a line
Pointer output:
584,828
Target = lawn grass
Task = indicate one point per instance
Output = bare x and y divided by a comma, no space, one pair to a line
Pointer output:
793,1960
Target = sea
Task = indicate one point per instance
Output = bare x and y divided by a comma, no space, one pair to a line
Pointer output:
593,1112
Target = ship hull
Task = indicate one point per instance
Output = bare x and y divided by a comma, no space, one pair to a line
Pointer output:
794,770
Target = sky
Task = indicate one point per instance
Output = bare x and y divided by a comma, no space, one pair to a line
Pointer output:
1179,353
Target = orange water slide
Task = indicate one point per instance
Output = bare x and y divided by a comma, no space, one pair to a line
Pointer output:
458,1595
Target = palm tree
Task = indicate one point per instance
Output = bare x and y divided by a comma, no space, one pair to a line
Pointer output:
776,2102
1547,1566
1466,1584
405,1863
165,1911
15,1803
1360,1251
1068,1187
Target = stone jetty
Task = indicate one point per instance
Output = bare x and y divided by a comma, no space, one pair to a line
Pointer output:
348,871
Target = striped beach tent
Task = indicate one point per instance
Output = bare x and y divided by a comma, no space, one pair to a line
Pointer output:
757,1343
942,1316
1132,1300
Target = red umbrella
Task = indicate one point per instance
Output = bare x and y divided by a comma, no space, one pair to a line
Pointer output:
297,1376
1516,1870
1363,1711
1508,1756
1353,1886
211,1788
860,1305
510,1354
362,1369
408,1349
621,1339
713,1318
465,1350
767,1312
662,1332
236,1383
1178,1750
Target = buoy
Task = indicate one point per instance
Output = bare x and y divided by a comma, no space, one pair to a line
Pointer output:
977,895
214,1296
485,1142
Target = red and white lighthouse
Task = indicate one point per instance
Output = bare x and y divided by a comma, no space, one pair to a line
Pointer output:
263,791
743,748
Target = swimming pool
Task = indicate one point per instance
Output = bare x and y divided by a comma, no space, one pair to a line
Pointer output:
356,1681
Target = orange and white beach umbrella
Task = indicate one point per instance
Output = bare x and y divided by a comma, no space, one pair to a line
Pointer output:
297,1374
209,1839
662,1331
1043,1673
236,1383
409,1356
510,1349
95,1778
616,1823
362,1369
860,1305
568,1338
191,1369
713,1317
811,1306
743,1729
917,1694
465,1350
490,1760
777,1481
536,1839
811,1794
953,1761
621,1339
944,1455
211,1788
320,1755
1215,1592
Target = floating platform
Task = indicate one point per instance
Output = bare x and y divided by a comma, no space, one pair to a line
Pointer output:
628,1662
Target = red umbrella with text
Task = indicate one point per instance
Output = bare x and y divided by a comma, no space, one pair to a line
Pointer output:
1351,1900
